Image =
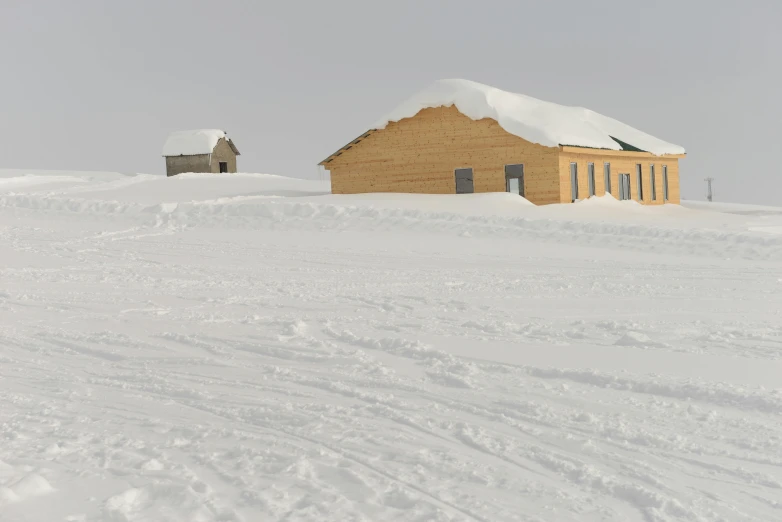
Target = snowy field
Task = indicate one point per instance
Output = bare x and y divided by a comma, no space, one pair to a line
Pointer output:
249,348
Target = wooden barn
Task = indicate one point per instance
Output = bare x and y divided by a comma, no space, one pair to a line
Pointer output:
201,150
459,136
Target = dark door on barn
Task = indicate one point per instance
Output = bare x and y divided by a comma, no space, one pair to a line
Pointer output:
223,166
464,183
514,179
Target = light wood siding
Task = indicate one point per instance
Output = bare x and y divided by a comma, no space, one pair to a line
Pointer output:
419,155
621,163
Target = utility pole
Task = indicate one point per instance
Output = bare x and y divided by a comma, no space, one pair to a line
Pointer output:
709,194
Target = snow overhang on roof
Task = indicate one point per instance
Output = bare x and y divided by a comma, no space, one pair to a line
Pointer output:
192,142
534,120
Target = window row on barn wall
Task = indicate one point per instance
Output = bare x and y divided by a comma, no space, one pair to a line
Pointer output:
514,179
607,180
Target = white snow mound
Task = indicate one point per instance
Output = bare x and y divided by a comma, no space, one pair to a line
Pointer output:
192,142
534,120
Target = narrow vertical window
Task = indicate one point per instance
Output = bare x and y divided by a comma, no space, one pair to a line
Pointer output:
624,187
665,183
574,181
607,174
639,179
591,178
627,189
652,182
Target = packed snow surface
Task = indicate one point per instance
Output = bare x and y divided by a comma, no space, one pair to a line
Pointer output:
534,120
251,348
192,142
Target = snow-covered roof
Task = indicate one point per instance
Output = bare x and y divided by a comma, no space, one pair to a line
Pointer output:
534,120
192,142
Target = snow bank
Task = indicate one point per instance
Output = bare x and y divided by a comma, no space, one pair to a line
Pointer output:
151,189
607,200
188,143
255,201
32,180
634,231
534,120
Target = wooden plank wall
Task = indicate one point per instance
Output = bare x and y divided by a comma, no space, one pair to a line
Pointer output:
621,163
419,155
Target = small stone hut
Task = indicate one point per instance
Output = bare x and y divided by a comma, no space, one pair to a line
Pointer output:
201,150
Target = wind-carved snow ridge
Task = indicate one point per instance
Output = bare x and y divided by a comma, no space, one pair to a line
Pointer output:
534,120
247,347
649,233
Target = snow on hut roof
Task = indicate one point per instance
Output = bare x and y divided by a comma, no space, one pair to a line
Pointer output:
534,120
192,142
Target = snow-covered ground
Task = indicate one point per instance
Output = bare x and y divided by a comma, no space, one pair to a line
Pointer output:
247,347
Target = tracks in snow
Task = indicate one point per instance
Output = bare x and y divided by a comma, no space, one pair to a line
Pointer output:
194,376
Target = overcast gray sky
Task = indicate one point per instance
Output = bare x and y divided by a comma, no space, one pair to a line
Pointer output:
97,85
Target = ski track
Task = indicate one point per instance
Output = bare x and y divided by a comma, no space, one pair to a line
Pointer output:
289,361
